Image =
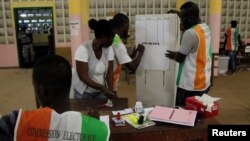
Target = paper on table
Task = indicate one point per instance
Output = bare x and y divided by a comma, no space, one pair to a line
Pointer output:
109,103
172,115
105,119
123,112
207,100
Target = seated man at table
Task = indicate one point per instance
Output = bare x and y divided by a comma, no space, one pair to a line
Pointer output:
52,80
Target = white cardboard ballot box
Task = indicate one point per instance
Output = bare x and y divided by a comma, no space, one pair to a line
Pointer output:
156,74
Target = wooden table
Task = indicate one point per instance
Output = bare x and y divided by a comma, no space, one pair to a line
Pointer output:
96,104
165,132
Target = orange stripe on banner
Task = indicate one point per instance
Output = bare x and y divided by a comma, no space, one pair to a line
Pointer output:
34,125
200,76
116,75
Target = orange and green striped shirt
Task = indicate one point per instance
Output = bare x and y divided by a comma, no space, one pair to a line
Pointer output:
121,57
195,72
232,39
47,125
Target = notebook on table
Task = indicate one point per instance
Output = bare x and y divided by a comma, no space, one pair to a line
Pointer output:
173,115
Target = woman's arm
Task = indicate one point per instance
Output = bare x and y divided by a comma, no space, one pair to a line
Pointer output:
133,54
82,71
109,76
133,65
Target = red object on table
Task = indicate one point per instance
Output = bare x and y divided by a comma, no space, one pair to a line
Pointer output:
118,116
193,104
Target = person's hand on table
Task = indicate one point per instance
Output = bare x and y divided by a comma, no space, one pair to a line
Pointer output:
109,94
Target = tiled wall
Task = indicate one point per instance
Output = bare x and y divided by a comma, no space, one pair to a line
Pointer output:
231,10
236,10
6,27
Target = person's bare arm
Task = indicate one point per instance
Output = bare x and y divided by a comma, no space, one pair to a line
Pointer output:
82,71
133,65
177,56
133,54
109,76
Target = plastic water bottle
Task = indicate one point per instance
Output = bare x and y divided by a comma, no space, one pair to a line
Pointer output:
138,107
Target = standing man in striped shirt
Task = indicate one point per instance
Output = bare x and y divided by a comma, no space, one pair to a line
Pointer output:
194,56
231,44
121,28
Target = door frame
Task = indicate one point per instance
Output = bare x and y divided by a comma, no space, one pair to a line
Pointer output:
16,23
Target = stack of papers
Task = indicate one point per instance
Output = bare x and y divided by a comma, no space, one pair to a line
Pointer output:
172,115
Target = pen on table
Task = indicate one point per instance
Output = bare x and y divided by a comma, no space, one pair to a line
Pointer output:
171,114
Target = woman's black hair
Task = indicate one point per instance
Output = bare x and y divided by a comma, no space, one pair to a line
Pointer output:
101,27
119,20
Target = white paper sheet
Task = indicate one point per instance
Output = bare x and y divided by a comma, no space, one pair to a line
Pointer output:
207,100
140,27
74,26
153,33
160,27
166,31
123,112
105,119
